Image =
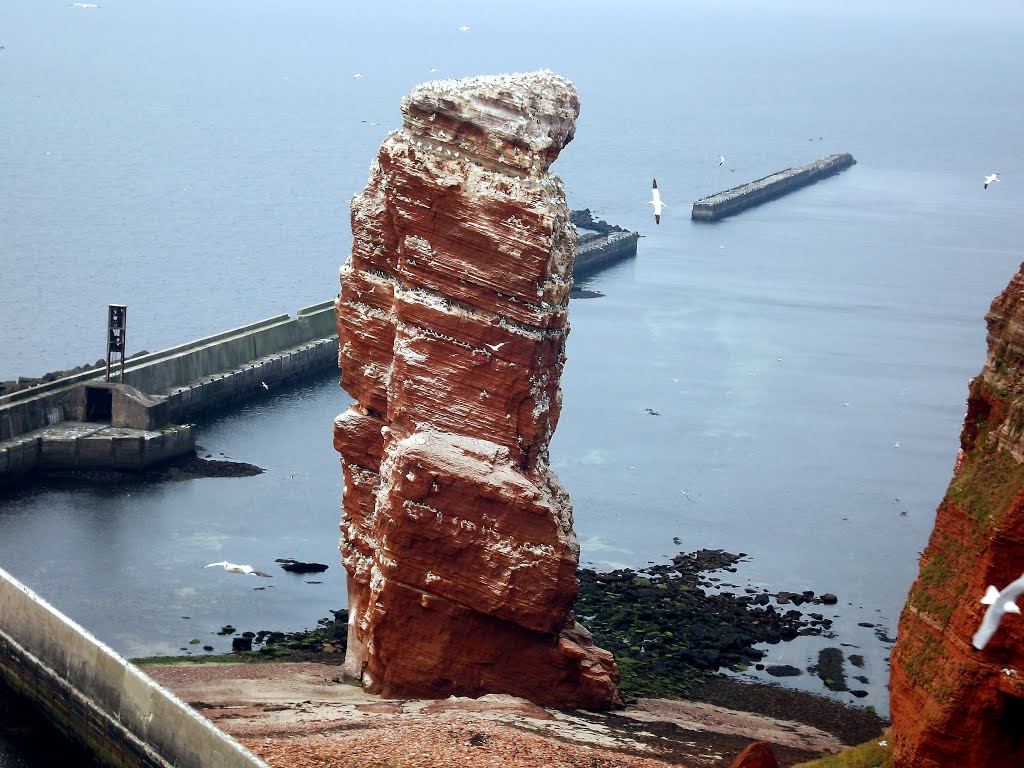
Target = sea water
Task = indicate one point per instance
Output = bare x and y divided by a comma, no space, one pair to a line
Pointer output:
808,359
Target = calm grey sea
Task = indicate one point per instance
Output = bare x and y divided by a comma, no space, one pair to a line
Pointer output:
809,359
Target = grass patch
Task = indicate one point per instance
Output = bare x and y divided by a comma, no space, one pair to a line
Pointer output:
870,754
205,659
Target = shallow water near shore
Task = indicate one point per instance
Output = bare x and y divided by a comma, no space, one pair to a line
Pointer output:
807,360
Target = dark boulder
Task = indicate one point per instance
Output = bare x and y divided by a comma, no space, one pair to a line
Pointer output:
297,566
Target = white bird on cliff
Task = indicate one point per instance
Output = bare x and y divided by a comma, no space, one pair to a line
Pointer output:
656,202
999,602
235,568
990,178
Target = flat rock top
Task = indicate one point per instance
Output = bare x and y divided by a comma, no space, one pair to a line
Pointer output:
295,714
533,112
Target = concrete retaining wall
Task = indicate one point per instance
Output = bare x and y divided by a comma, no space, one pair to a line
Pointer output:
597,254
157,372
71,445
97,697
209,392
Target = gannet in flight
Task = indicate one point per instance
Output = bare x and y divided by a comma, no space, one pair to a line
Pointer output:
464,28
496,347
358,75
999,602
235,568
656,202
721,160
990,178
264,385
84,5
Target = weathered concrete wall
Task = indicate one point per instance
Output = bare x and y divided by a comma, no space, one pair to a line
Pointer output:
594,255
73,445
157,372
164,370
97,697
753,193
211,391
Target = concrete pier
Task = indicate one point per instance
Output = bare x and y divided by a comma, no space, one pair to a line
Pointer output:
97,698
81,422
596,253
753,193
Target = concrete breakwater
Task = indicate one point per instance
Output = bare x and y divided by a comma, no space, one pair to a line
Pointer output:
761,190
593,254
98,699
82,422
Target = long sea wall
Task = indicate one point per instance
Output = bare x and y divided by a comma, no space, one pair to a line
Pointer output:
96,697
191,377
761,190
82,422
600,252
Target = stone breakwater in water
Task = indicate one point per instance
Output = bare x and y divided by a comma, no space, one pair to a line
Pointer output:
737,199
953,704
452,319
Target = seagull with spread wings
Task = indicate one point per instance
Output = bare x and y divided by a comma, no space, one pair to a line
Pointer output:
656,202
247,570
999,602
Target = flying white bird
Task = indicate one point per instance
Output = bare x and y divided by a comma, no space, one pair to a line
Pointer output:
999,602
358,75
721,160
656,202
434,69
83,5
496,347
990,178
463,28
235,568
264,385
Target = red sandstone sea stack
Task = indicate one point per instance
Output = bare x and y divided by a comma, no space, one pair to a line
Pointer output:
453,313
951,704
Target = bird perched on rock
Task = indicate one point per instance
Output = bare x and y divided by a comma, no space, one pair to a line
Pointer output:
235,568
990,178
656,202
999,602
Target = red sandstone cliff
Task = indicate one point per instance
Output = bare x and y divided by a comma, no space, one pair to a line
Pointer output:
950,703
452,318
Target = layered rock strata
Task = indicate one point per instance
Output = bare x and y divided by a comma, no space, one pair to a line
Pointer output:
452,318
952,704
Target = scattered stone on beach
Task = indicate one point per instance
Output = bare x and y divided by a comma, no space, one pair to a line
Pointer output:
783,670
193,466
670,624
830,669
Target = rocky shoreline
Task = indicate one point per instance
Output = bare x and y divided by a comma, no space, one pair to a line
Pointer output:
671,626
